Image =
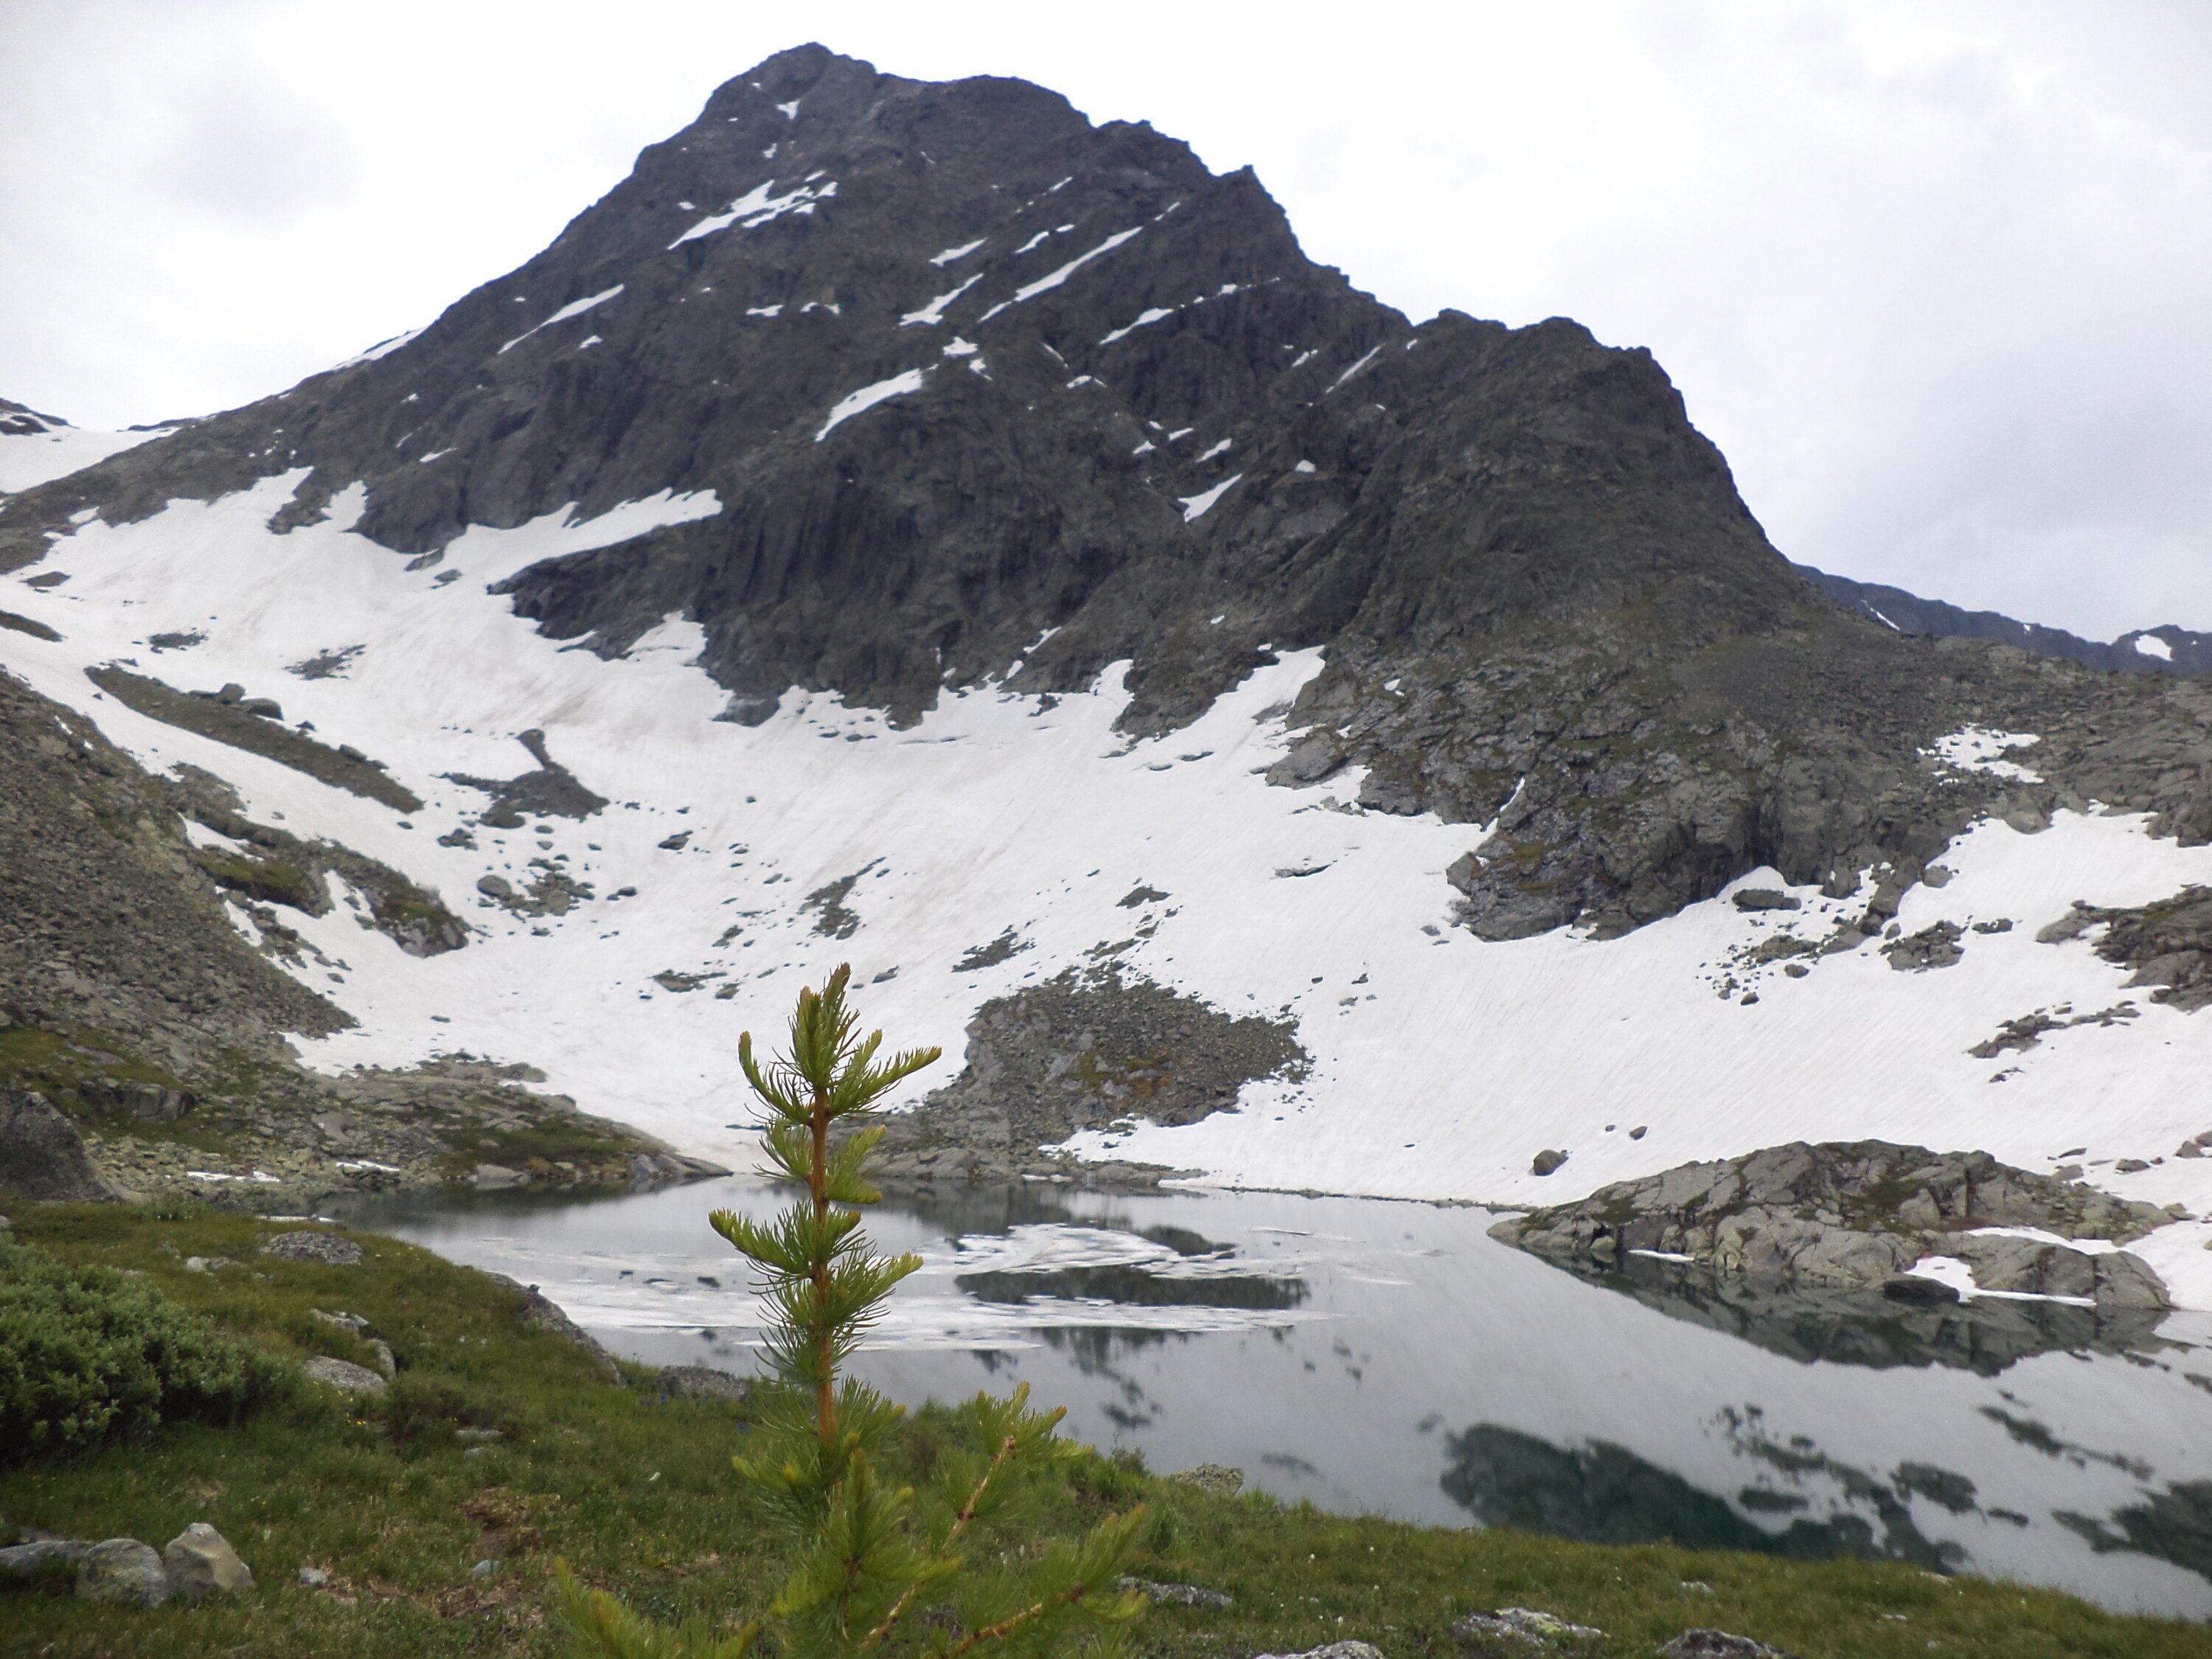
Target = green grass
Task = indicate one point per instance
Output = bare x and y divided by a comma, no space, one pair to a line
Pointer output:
638,1494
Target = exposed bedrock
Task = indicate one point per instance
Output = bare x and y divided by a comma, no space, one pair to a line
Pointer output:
1857,1216
1082,1051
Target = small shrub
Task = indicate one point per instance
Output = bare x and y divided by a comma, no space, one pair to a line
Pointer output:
89,1355
425,1411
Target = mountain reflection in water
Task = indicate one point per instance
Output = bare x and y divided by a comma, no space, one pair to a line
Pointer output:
1391,1357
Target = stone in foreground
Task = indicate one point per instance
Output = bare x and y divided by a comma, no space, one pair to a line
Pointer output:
123,1572
1217,1478
23,1562
342,1375
200,1563
1718,1644
328,1248
703,1383
1523,1633
1181,1596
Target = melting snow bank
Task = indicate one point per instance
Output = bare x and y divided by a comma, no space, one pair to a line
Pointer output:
1005,838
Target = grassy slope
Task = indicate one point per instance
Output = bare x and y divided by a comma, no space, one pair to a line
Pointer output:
638,1494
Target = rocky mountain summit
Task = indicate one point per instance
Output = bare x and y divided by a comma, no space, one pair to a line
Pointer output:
976,383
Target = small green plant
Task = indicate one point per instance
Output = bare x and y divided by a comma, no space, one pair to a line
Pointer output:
945,1570
88,1355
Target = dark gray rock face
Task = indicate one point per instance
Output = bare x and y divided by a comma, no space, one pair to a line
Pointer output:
1128,409
1082,1051
1854,1216
42,1156
2168,944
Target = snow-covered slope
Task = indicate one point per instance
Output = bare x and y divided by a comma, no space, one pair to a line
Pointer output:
35,449
1442,1061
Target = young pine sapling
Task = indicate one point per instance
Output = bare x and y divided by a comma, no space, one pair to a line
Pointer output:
943,1571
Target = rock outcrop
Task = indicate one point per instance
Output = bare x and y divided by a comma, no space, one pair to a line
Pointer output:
1081,1051
1857,1216
42,1156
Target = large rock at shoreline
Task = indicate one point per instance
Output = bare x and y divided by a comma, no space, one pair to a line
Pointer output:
1857,1215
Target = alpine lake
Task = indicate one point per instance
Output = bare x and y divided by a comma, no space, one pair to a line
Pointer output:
1370,1356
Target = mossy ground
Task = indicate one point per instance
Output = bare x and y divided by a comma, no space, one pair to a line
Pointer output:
637,1493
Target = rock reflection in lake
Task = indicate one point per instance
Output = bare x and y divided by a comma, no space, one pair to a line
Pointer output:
1371,1356
1986,1336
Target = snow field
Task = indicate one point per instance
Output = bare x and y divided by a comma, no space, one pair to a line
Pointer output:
30,459
1441,1062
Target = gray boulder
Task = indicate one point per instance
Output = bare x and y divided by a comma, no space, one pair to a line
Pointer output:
703,1383
47,1557
1523,1633
200,1563
1181,1596
123,1572
332,1250
342,1375
42,1156
1718,1644
1215,1478
1334,1650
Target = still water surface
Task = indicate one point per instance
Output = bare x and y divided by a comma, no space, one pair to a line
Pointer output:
1391,1357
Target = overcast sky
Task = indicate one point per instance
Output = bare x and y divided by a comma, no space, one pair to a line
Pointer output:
1936,274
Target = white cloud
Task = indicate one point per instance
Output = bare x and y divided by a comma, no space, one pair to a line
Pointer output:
1929,273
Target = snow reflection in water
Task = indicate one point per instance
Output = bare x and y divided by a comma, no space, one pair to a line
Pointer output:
1374,1356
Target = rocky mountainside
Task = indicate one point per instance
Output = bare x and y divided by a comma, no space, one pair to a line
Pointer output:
967,373
2165,649
908,522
